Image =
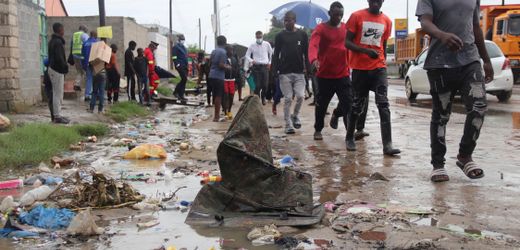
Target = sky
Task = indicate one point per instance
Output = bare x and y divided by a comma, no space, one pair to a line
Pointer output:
240,19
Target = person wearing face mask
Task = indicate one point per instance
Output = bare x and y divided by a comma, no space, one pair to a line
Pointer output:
180,60
260,52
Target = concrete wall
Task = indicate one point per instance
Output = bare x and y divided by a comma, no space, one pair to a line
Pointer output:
20,82
161,54
29,42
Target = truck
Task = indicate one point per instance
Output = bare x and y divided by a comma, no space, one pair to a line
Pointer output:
501,24
408,49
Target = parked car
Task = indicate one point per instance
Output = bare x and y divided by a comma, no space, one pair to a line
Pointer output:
416,81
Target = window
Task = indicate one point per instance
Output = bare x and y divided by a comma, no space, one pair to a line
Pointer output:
422,57
500,27
514,26
493,50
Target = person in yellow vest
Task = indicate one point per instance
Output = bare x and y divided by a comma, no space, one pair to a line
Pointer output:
78,38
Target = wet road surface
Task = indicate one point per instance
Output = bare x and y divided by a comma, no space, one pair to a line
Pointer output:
488,204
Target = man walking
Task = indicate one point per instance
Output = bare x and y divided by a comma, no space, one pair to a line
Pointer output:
57,69
290,59
260,52
180,60
78,38
130,71
153,78
453,65
368,31
85,52
328,56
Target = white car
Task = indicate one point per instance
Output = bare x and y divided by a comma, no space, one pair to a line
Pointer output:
416,80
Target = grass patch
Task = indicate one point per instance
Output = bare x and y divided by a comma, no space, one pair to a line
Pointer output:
34,143
164,90
123,111
92,129
189,84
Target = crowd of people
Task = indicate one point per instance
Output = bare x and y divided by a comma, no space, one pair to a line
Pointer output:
343,59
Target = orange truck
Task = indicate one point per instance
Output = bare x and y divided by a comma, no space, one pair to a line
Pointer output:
408,49
501,24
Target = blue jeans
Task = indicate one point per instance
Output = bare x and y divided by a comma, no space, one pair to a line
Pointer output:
98,91
88,86
143,89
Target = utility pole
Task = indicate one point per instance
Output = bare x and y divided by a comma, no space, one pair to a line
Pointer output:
200,36
215,13
503,2
102,15
407,21
170,38
205,39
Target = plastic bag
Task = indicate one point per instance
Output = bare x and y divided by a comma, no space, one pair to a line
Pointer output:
7,204
48,218
84,224
38,194
146,151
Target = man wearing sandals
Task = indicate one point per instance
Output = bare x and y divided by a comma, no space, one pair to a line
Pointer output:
453,65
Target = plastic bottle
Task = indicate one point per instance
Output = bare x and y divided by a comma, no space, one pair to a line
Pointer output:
210,180
11,184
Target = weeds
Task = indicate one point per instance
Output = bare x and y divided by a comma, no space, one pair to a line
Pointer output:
123,111
34,143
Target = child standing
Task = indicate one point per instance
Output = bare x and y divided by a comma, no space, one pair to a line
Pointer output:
141,70
113,76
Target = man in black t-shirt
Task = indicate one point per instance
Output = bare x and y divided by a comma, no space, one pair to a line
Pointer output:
129,70
290,59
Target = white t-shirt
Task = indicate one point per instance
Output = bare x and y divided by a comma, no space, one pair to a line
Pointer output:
260,53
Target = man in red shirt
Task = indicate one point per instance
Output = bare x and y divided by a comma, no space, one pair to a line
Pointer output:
328,56
368,31
152,76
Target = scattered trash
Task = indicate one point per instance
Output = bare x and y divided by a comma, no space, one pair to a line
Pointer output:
325,244
46,179
268,230
146,206
5,123
8,204
43,168
149,224
57,166
210,180
184,146
11,184
63,162
286,161
378,177
264,240
373,236
330,206
146,151
38,194
287,242
84,224
92,189
48,218
92,139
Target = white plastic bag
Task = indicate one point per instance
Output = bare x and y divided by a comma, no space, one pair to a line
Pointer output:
38,194
84,224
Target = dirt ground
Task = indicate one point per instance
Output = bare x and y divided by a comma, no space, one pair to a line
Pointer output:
412,212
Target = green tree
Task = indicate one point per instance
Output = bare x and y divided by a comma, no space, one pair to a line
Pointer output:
193,48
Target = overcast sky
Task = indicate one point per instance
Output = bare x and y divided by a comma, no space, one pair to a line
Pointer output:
239,18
